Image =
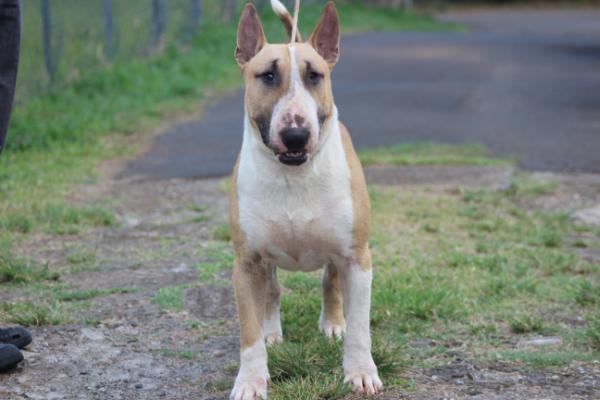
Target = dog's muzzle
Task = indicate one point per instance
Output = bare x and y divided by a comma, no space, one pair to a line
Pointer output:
295,141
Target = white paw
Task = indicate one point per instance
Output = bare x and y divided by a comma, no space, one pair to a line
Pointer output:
249,390
332,330
273,338
364,382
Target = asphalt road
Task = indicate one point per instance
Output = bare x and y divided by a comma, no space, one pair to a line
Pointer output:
526,84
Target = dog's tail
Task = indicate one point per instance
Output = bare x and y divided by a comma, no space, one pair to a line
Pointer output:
290,23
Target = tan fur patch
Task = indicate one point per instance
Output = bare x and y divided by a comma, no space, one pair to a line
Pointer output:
333,304
361,203
249,279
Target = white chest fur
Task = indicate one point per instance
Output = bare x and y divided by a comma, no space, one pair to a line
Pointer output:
298,218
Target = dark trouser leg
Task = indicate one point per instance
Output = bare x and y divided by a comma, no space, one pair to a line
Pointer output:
10,33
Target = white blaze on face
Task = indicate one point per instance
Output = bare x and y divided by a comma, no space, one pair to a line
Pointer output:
297,102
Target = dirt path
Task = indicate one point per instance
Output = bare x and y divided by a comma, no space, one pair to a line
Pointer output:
140,343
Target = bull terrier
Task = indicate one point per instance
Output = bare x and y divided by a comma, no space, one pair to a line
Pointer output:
299,199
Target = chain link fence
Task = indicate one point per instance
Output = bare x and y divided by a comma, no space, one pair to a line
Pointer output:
63,39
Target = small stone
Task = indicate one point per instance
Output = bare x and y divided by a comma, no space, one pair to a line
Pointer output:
540,341
588,216
460,382
423,343
92,334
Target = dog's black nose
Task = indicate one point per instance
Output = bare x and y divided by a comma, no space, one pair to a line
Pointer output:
295,139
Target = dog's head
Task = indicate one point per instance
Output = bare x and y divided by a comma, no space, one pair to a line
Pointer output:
288,86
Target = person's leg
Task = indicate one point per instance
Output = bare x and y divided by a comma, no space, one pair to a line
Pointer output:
10,34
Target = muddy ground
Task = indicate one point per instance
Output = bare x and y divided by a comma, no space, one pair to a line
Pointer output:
131,349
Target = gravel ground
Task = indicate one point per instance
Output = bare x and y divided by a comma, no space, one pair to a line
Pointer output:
133,349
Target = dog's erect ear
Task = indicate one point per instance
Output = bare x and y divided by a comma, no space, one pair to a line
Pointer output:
250,35
326,36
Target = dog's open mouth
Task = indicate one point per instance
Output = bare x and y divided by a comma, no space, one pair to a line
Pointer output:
293,157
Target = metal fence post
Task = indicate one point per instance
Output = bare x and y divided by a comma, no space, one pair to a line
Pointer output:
159,22
232,9
196,15
108,30
47,40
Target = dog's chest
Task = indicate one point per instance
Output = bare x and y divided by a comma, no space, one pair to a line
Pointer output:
299,221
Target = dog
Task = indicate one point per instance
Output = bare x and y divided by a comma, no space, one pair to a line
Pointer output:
299,200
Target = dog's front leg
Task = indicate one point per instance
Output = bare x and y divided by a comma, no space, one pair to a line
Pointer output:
332,322
249,280
272,324
359,368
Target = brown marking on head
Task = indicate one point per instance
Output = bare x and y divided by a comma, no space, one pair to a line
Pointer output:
361,204
285,86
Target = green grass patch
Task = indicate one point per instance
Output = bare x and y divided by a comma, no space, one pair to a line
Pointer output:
428,153
19,270
169,298
526,324
222,232
57,219
79,295
219,258
34,313
593,330
183,355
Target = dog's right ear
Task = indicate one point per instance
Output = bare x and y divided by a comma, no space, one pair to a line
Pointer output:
250,35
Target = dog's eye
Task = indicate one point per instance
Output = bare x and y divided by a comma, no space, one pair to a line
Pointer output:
314,78
268,77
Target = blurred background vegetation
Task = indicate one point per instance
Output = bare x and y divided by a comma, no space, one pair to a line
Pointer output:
96,75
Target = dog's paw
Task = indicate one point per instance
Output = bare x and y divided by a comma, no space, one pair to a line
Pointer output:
273,338
249,390
364,382
332,330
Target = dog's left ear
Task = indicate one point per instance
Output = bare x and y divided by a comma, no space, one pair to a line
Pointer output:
326,36
250,35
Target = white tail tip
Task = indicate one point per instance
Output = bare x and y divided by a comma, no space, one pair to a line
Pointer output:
278,7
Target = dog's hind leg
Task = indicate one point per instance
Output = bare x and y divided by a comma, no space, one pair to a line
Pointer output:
249,281
272,321
332,322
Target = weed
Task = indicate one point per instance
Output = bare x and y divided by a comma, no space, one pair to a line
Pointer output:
593,330
427,153
526,324
219,259
169,298
29,313
222,232
18,270
184,355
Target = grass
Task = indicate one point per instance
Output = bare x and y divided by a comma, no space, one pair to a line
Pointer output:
19,270
219,258
79,295
428,153
34,313
222,232
58,138
490,271
184,355
169,298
